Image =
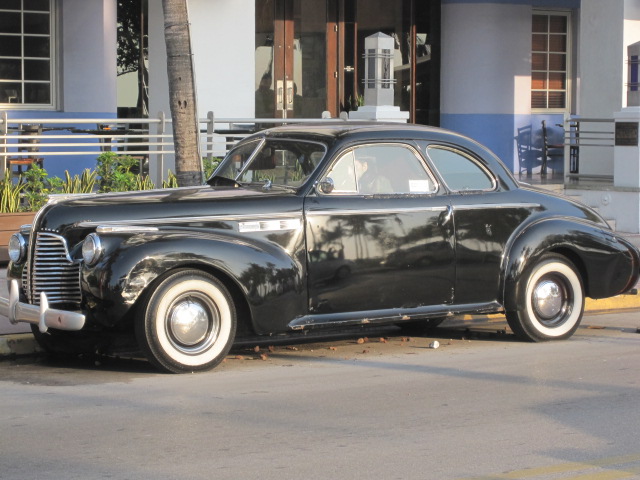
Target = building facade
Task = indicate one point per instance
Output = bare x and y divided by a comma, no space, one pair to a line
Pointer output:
481,67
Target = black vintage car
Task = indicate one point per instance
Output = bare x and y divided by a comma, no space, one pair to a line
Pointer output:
313,226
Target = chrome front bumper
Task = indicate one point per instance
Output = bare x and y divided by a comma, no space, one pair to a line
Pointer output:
40,315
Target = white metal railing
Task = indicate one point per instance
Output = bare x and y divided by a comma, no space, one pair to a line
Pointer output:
150,139
588,137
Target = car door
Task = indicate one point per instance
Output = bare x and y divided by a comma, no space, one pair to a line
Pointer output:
485,216
382,237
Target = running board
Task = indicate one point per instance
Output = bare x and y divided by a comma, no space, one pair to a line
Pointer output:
394,315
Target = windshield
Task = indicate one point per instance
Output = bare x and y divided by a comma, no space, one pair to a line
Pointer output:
281,162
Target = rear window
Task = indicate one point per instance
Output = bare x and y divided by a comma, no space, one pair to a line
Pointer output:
460,171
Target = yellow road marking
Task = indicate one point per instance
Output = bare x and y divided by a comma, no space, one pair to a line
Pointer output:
575,467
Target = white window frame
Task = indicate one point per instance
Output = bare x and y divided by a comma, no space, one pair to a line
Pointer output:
53,83
569,62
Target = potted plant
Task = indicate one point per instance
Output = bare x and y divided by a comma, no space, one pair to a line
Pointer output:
12,215
22,197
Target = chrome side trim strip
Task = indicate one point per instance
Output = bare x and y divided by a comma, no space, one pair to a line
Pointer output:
496,205
393,315
269,225
124,228
376,211
166,221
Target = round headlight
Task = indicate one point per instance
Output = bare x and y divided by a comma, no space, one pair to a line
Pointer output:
91,249
17,248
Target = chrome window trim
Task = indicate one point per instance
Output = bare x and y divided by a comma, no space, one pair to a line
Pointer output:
264,140
462,153
351,150
261,141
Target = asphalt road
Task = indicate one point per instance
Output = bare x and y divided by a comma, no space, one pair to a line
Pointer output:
482,405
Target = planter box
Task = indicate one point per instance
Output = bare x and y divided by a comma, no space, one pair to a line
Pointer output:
9,224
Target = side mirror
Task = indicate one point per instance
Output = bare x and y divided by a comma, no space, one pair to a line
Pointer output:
327,186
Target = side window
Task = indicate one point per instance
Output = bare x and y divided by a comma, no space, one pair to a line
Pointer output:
459,171
381,169
343,174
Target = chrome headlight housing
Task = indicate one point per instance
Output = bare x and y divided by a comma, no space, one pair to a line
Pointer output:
17,248
91,249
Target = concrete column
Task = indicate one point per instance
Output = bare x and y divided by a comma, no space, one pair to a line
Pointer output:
89,56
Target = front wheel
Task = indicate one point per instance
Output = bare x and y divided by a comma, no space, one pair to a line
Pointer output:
187,323
550,301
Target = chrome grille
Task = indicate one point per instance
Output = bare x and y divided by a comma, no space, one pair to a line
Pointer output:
52,271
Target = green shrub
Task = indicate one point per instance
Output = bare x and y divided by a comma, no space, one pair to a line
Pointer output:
10,193
37,188
171,181
209,164
30,191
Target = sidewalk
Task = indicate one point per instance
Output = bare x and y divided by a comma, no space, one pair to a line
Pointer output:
18,340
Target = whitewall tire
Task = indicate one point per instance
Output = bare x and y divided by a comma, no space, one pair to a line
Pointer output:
550,301
187,323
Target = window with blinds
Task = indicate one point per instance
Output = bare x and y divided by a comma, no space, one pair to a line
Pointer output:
26,46
549,61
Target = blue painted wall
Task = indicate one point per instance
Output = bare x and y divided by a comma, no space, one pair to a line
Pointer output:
55,165
486,72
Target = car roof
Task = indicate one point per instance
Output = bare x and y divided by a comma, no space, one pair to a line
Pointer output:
333,132
347,132
343,129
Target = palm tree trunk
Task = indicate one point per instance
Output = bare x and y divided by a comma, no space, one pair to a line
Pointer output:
182,95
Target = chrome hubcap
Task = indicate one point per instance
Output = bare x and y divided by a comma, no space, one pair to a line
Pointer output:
548,299
193,324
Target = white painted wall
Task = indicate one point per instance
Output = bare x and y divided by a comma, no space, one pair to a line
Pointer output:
486,58
631,35
223,47
88,67
600,70
601,57
222,38
158,81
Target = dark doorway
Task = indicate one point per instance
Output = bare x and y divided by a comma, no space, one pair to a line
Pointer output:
309,54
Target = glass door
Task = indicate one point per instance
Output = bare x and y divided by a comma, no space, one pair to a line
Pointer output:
309,59
292,75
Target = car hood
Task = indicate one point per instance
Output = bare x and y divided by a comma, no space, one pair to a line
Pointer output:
166,204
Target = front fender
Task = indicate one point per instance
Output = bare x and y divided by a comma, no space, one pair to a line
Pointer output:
270,278
605,261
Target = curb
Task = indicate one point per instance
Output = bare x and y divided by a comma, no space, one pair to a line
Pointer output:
18,344
22,344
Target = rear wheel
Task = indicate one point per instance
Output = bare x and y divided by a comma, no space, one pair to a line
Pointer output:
187,323
550,301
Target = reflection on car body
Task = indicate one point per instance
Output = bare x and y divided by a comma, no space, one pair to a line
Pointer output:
286,236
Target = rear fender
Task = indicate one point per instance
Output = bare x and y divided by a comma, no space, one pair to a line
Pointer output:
602,258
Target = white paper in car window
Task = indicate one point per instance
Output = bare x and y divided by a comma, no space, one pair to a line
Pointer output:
419,186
